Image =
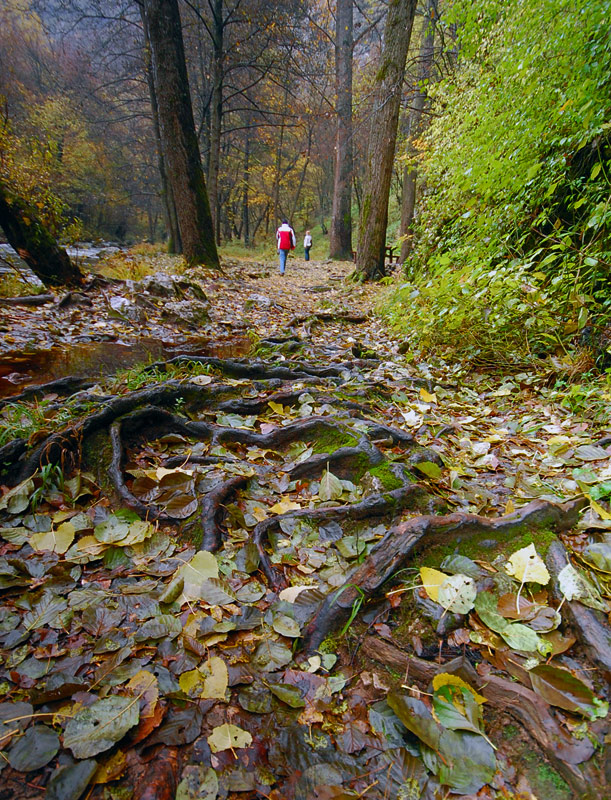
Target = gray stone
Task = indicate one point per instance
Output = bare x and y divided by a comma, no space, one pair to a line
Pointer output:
190,313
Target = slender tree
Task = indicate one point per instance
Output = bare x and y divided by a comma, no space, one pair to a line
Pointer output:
413,126
178,137
381,151
340,235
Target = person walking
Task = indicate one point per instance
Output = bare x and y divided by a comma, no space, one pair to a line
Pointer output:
285,236
307,244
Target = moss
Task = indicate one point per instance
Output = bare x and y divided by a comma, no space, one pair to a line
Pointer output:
505,544
330,644
329,440
388,480
510,732
544,779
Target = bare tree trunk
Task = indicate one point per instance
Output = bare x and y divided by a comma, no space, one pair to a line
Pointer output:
174,243
340,236
246,186
34,244
216,113
374,212
414,120
178,137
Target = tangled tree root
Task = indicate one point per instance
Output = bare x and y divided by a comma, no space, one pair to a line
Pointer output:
562,750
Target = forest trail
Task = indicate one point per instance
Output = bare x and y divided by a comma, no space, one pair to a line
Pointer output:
236,576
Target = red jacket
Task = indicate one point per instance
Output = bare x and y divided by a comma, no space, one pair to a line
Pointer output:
285,237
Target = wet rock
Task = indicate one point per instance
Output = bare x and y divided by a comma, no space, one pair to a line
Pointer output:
191,313
162,285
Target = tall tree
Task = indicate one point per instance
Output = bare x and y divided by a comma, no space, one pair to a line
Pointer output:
28,236
178,137
414,122
381,151
340,235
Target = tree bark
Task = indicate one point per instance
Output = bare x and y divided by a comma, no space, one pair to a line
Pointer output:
174,242
216,112
340,236
179,140
34,244
414,120
374,211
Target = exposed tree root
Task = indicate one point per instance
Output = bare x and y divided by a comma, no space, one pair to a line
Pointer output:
213,511
407,539
63,386
329,316
563,751
592,633
28,300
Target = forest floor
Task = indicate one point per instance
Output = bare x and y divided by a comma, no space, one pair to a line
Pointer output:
292,559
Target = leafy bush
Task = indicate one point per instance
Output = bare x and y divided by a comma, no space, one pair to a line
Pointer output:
513,245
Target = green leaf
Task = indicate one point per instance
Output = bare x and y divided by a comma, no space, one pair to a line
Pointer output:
198,783
429,468
286,626
164,626
457,594
101,725
287,694
58,541
575,586
201,567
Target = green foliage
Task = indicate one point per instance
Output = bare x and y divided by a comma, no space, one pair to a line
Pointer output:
513,248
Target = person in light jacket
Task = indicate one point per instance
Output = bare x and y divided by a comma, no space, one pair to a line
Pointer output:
285,236
307,244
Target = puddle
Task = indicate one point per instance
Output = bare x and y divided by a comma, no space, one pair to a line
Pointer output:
100,359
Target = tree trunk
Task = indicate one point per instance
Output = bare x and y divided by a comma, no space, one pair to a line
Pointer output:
414,120
374,212
174,243
340,237
216,112
178,137
34,244
246,186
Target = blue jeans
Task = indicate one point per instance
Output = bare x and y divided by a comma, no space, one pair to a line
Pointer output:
283,254
306,251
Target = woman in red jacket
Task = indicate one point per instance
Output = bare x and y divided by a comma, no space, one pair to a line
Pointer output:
285,236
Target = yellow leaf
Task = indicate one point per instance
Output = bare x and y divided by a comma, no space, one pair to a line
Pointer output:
598,508
509,506
446,679
57,541
277,407
191,680
527,565
111,769
284,505
427,397
432,580
228,737
216,679
91,546
259,514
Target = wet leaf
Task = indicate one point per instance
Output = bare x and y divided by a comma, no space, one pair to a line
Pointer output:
256,699
520,637
215,678
598,555
34,749
14,717
101,725
44,612
561,688
228,737
17,499
270,656
164,626
590,452
201,567
70,781
284,506
448,679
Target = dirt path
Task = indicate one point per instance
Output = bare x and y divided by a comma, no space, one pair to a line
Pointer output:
216,563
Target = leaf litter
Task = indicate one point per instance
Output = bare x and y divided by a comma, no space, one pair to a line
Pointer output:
119,636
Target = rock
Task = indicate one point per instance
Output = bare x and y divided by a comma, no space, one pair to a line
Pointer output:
257,300
127,308
163,285
191,313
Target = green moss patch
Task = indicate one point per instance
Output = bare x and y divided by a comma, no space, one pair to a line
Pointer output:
388,480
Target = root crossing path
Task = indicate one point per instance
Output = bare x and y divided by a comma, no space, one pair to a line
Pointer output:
323,570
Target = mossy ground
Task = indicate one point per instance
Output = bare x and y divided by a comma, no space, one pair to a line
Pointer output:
330,440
